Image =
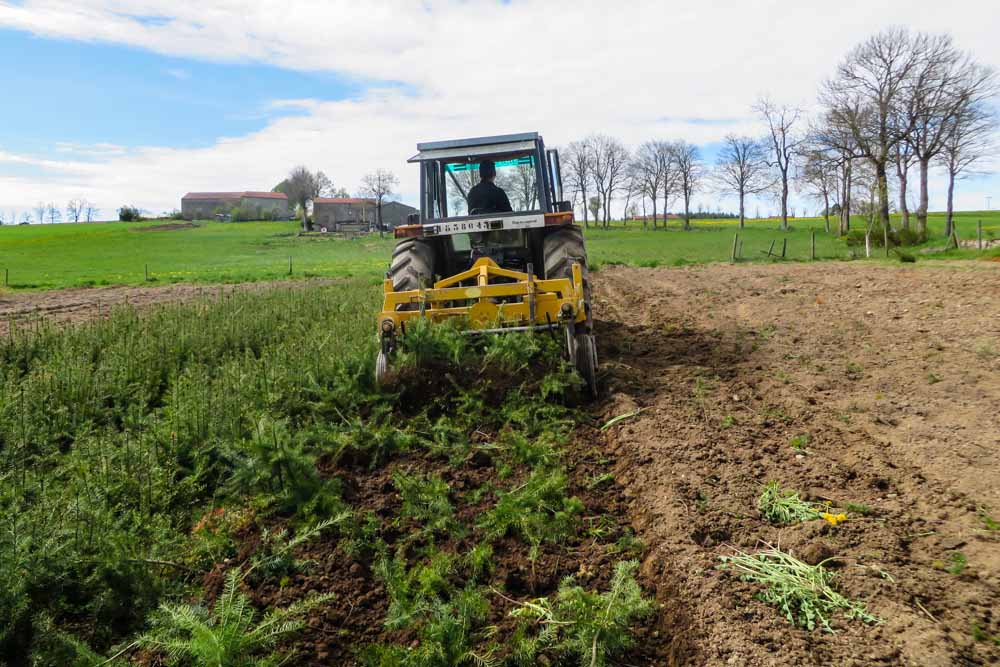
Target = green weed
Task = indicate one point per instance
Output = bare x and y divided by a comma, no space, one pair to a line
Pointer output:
799,442
988,521
784,507
957,563
858,508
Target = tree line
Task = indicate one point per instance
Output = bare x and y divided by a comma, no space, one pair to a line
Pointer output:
898,102
77,210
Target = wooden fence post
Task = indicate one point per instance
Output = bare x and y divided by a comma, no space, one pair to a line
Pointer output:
289,265
979,233
784,246
885,238
146,267
812,246
736,239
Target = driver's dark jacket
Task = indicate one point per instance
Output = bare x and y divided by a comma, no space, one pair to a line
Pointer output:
488,198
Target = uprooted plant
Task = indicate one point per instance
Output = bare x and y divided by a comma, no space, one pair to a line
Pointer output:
802,592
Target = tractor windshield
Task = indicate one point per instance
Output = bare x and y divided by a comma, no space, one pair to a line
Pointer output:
516,176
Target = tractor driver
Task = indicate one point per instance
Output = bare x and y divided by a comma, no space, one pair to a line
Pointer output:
486,197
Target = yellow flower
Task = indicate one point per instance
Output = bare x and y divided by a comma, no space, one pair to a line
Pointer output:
834,519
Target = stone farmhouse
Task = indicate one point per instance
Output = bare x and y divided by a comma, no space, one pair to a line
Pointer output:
354,214
205,205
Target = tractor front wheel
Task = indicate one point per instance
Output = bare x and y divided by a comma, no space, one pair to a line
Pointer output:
412,266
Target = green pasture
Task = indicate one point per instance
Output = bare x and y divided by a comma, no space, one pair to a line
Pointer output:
70,255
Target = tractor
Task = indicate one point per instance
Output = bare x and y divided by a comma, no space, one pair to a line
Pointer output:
503,271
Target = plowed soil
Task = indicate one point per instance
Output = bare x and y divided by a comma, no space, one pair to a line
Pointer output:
893,374
887,377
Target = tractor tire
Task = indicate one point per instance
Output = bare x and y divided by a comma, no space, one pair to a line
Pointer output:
412,266
560,250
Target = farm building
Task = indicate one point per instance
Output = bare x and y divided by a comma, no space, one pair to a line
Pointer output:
202,205
343,214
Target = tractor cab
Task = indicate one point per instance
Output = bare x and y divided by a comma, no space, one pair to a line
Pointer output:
527,173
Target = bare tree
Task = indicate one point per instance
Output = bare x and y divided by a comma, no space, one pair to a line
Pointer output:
818,175
742,169
786,141
969,139
867,98
687,162
40,212
932,98
576,160
74,209
379,185
524,187
653,169
90,212
903,157
608,166
324,186
53,213
632,189
837,146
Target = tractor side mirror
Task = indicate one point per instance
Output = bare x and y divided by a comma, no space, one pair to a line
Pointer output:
564,206
413,219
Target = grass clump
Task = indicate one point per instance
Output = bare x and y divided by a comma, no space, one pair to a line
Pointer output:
802,592
784,507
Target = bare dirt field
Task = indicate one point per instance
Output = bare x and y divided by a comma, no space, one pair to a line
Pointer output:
892,375
886,378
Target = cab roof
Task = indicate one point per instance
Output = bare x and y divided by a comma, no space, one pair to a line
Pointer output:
493,145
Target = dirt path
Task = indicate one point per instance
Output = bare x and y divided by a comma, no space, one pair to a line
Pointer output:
892,374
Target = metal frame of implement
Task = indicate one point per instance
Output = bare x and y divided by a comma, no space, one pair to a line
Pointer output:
543,304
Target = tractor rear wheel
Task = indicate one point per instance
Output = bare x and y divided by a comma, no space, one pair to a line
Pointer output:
560,249
412,266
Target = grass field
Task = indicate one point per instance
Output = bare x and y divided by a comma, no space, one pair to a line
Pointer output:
52,256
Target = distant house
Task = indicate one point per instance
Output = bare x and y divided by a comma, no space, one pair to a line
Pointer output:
355,214
205,205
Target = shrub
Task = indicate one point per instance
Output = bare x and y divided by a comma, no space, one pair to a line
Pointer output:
130,214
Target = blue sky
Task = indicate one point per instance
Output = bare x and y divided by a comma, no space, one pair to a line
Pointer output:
91,93
140,101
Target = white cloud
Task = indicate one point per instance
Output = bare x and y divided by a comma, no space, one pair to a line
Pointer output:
178,73
564,67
